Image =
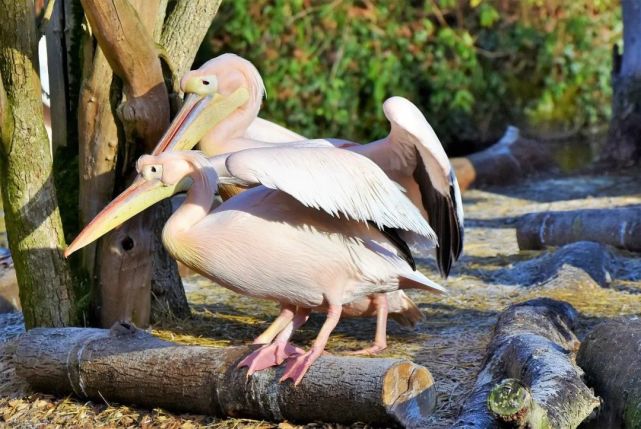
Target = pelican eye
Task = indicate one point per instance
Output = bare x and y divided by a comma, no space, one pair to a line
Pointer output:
151,172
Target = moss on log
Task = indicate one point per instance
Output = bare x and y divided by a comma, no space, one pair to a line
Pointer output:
131,366
619,227
610,357
529,378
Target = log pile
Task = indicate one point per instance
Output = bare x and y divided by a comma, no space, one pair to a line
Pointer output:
131,366
529,378
619,227
610,357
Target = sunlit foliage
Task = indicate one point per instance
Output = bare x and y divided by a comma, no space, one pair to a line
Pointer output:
471,65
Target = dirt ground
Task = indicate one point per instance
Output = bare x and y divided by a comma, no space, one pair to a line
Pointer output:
451,341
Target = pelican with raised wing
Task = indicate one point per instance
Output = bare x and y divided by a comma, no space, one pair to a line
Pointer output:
411,155
317,233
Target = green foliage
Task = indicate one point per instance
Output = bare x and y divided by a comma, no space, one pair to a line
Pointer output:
472,66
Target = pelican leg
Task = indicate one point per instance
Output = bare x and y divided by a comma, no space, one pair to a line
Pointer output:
380,339
297,367
275,353
286,315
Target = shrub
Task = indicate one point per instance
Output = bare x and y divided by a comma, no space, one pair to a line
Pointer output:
472,66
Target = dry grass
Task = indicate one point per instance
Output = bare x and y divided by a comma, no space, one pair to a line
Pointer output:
450,342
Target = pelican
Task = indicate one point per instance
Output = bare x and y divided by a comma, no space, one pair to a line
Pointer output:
316,231
411,155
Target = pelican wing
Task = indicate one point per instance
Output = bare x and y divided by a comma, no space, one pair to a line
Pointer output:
413,149
330,179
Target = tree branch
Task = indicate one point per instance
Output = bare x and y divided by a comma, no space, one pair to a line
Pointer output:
185,30
130,51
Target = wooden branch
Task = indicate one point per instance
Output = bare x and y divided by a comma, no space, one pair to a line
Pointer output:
56,66
184,31
131,366
131,260
532,348
97,142
620,227
610,357
130,51
511,159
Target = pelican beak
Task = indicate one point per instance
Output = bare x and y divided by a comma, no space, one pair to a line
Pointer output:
198,115
136,198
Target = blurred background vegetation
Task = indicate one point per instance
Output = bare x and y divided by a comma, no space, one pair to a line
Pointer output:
472,66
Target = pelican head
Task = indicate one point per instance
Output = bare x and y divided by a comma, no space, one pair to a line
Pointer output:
225,86
159,177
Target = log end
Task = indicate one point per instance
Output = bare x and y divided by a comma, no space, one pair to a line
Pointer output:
510,401
409,393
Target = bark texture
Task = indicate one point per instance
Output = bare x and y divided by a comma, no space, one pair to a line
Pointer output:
31,210
131,366
623,146
131,261
610,357
619,227
183,33
533,344
511,159
97,141
56,67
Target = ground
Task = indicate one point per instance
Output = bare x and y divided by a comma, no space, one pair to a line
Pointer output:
451,340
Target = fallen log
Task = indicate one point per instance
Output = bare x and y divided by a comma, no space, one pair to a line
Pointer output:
610,358
510,159
131,366
619,227
528,378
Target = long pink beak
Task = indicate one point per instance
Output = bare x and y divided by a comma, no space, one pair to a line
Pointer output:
197,116
133,200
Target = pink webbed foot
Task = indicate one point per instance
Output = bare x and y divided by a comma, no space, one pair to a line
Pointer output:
298,366
370,351
269,355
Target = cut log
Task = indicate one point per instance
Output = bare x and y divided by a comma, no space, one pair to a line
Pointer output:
610,357
595,259
529,378
131,366
510,159
619,227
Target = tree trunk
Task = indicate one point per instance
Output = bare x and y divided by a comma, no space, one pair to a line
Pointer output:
529,378
623,145
56,67
131,366
131,260
31,210
620,227
97,142
184,31
610,357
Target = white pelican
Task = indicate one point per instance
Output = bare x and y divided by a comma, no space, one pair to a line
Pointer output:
311,236
411,155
